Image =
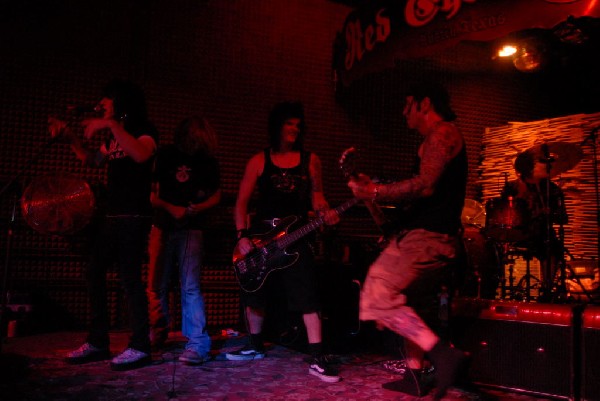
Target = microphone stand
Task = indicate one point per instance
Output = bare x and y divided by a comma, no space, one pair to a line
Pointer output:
547,265
10,231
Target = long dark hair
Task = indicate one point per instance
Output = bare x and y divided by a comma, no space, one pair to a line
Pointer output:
129,102
279,114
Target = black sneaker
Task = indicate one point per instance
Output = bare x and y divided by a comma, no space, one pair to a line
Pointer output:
450,366
415,382
248,353
320,368
87,353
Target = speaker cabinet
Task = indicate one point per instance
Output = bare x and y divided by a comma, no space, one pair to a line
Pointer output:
522,347
590,354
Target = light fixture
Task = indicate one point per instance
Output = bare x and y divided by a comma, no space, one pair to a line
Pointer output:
529,57
527,50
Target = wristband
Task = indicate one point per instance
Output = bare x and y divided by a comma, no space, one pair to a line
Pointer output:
375,193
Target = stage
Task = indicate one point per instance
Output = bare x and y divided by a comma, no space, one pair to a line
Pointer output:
33,369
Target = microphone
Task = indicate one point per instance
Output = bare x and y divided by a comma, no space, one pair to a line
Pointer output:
79,109
546,155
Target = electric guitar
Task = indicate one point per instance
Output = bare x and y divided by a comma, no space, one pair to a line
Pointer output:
348,165
271,252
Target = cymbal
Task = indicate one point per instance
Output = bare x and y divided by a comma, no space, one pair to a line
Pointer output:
473,213
554,158
57,204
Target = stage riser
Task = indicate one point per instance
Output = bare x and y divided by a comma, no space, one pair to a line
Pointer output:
530,356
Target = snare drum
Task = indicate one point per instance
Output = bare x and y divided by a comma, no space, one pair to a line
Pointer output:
507,219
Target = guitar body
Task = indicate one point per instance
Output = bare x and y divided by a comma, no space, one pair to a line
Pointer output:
252,269
270,250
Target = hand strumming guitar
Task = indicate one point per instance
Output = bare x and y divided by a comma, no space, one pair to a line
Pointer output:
245,245
363,188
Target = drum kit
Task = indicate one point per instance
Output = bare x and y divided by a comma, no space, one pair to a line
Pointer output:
498,232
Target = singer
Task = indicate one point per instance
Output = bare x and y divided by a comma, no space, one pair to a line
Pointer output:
128,153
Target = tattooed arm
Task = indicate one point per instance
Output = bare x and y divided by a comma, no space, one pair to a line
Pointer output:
439,147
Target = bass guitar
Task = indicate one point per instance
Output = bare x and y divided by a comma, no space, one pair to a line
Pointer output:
271,252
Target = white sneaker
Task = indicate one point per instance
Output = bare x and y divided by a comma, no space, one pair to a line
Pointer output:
130,359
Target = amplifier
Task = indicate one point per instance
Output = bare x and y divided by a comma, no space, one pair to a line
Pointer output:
517,346
590,354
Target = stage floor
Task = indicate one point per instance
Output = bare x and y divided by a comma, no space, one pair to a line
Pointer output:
33,369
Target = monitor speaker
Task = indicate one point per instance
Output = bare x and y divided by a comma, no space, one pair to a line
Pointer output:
590,351
517,346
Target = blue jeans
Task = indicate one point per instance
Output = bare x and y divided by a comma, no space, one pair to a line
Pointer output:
182,248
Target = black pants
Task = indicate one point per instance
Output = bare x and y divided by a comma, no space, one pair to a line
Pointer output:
121,240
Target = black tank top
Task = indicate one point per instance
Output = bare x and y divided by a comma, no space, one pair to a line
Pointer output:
441,212
284,192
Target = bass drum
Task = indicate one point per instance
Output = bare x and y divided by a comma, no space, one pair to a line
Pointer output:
482,258
58,204
507,219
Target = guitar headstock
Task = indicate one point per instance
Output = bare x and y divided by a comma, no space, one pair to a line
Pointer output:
347,162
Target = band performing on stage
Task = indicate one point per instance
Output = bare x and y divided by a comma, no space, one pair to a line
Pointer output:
235,200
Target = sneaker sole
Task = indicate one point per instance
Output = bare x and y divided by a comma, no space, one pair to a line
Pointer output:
140,363
194,361
231,357
96,357
327,379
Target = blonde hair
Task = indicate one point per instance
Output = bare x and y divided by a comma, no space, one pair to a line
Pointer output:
196,134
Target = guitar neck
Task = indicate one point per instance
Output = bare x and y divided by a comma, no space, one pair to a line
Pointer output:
376,213
313,225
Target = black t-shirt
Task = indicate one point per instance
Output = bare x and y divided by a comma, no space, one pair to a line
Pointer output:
441,211
284,191
184,179
129,182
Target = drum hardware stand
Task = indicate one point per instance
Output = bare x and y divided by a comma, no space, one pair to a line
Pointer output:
547,279
528,276
593,137
511,279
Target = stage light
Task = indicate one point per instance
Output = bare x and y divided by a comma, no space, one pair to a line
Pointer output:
507,50
528,51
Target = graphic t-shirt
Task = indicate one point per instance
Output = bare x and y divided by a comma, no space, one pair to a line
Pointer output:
184,179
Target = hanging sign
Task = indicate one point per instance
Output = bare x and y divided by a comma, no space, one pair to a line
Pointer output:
374,36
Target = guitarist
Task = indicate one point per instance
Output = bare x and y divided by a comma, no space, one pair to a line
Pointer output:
401,285
288,180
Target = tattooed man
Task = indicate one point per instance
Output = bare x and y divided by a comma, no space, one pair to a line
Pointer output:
398,289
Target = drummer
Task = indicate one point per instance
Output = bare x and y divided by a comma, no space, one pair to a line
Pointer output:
531,188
